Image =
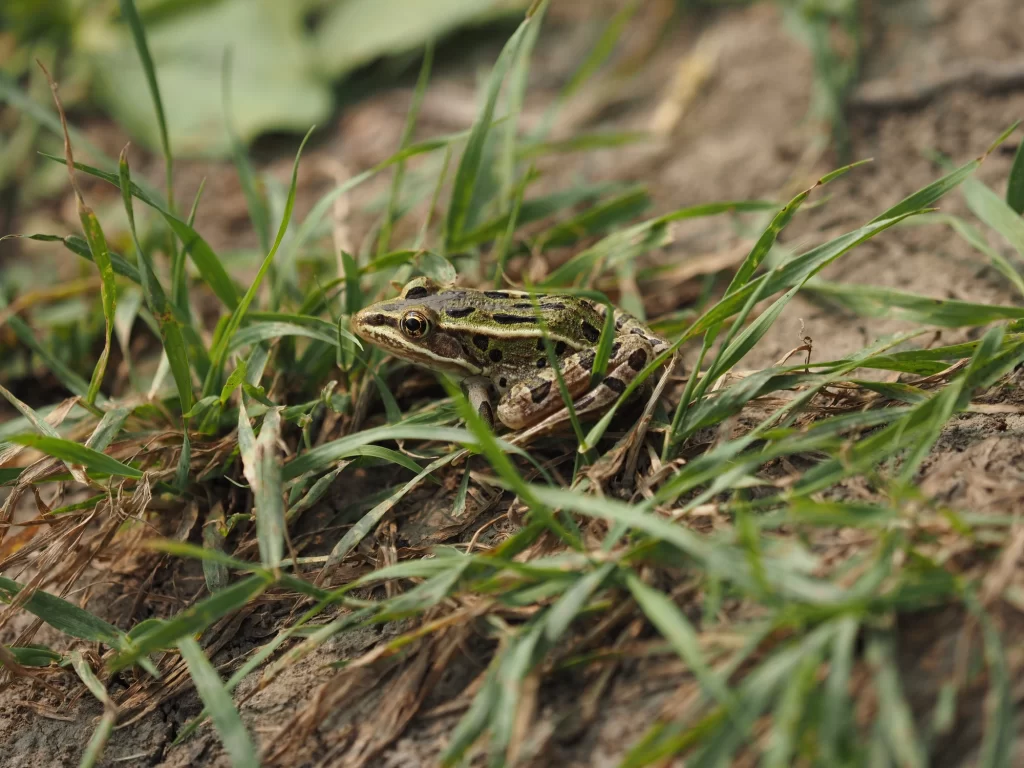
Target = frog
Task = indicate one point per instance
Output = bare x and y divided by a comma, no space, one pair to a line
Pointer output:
495,343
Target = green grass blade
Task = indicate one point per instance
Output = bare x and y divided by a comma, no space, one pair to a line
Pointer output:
156,299
771,234
105,727
836,709
565,610
79,247
71,380
1015,183
221,709
970,233
254,333
63,616
473,723
108,292
167,633
997,747
595,58
497,456
466,175
323,456
369,521
33,655
618,242
108,428
792,273
883,302
929,195
69,451
674,627
894,713
220,351
790,708
996,212
131,15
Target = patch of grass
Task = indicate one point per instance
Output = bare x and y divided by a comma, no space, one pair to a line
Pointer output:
236,425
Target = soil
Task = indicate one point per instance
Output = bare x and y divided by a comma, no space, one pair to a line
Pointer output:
938,75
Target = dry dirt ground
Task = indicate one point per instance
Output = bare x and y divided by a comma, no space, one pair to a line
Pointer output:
939,75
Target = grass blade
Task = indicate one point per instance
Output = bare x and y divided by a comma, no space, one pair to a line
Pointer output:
466,175
673,626
69,451
219,706
106,725
156,299
97,247
63,616
219,354
1015,183
131,15
165,634
996,212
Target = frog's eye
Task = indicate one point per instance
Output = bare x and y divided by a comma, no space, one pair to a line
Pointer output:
415,324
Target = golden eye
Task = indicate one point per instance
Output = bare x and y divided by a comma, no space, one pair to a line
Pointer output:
415,324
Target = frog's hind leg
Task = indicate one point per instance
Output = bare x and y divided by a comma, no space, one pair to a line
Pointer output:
630,354
528,401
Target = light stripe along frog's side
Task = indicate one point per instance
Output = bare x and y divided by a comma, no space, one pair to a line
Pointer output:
492,339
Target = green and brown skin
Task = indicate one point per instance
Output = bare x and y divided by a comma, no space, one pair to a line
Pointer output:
493,341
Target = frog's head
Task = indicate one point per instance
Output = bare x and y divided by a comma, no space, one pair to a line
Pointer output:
414,327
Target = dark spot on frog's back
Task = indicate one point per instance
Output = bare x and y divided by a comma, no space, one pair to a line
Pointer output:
529,305
378,320
481,341
460,311
587,360
495,355
590,333
504,319
637,360
495,294
417,293
540,392
615,385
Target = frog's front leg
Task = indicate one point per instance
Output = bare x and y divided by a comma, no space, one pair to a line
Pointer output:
532,400
478,391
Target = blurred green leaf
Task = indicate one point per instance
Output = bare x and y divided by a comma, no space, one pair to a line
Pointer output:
284,59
